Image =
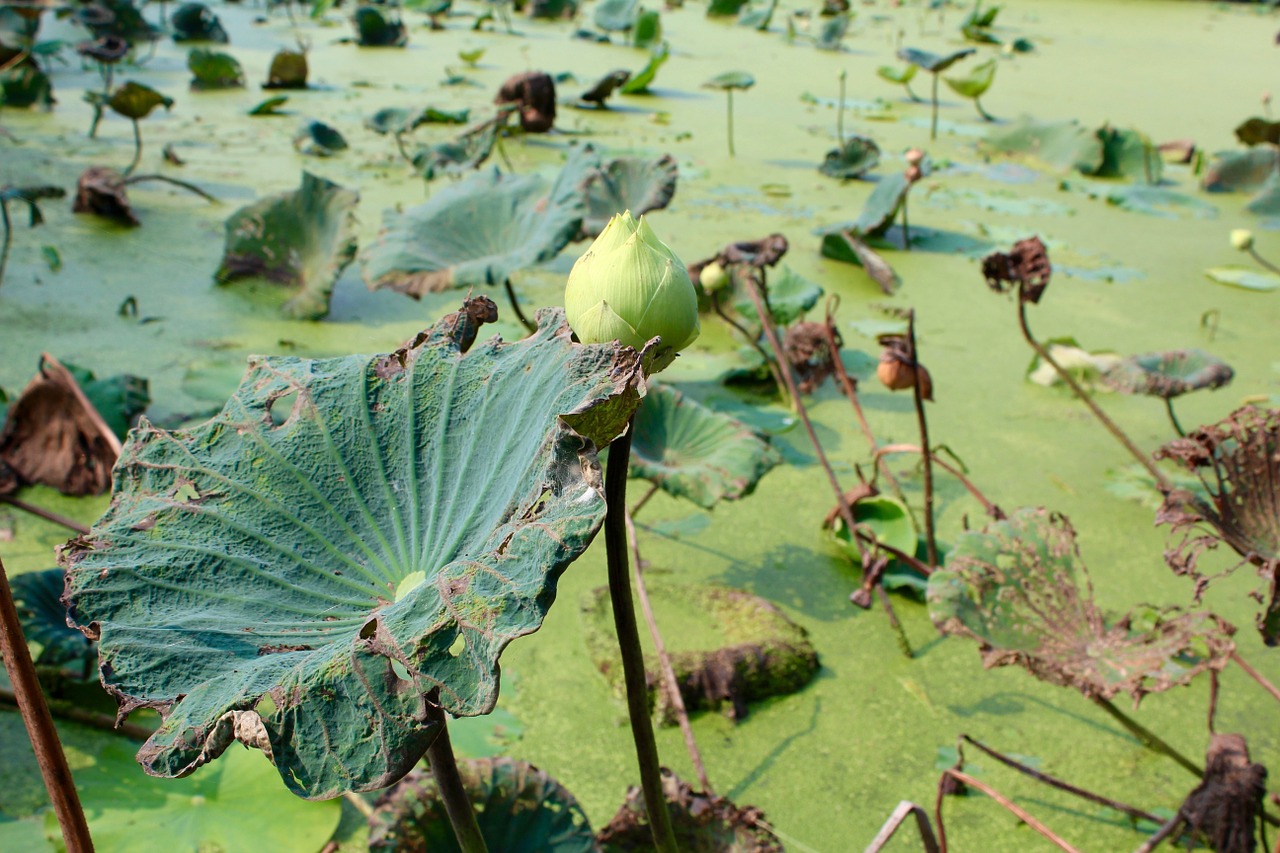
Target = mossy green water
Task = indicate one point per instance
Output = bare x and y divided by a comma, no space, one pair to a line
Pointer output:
829,763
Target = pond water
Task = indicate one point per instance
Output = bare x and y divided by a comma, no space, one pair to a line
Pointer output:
828,764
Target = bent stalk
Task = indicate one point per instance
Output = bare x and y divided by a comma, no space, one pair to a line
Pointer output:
454,796
729,92
137,149
515,306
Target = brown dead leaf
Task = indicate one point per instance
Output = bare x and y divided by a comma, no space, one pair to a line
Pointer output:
1025,266
101,191
535,93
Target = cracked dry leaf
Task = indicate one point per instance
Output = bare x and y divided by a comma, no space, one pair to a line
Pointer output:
1019,589
302,578
1238,463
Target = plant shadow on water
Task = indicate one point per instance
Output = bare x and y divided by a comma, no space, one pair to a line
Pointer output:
760,770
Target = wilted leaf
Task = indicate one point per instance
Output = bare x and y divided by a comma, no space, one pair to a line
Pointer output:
842,245
287,579
1019,589
195,22
857,156
933,62
317,139
640,82
976,82
477,232
1168,374
534,93
119,400
136,101
1246,278
38,596
1225,808
301,239
696,453
288,71
1246,171
1258,131
213,70
520,809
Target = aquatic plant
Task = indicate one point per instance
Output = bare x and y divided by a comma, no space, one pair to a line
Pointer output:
1168,375
727,82
901,77
214,70
196,22
975,84
935,64
30,196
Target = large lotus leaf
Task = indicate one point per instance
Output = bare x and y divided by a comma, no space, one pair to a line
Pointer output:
857,156
301,239
520,809
640,81
976,82
1063,146
1129,154
1168,374
1241,170
1019,589
696,453
628,183
933,62
213,70
306,579
38,596
478,232
195,22
237,804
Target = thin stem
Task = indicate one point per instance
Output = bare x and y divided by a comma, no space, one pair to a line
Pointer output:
664,661
8,236
1148,738
137,149
1256,676
515,306
68,711
624,620
912,94
359,803
1162,482
930,538
44,513
1263,261
399,138
35,715
989,117
445,770
840,111
904,644
754,341
108,72
192,188
729,92
1169,828
653,490
1131,811
906,226
1173,419
991,509
933,127
1013,807
905,809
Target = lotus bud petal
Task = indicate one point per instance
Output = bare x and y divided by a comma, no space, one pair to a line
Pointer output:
713,277
915,157
1242,239
630,287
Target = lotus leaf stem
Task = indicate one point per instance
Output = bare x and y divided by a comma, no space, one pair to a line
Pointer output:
1162,481
1148,738
358,803
191,188
452,793
754,341
729,93
69,711
1173,419
905,809
992,510
1266,264
137,149
8,236
664,661
1010,806
1256,676
906,225
840,111
35,715
904,643
515,306
977,102
624,620
933,125
1169,828
930,537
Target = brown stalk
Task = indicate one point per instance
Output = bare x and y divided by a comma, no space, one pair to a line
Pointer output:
991,509
905,809
68,711
1011,807
44,513
1256,676
773,366
930,539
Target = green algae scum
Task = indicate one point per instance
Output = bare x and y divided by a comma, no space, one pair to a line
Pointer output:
298,273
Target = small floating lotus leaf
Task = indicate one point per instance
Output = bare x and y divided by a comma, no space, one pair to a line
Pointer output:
301,239
696,453
1246,278
136,101
857,156
317,139
901,77
1062,146
270,107
976,82
375,29
195,22
477,232
616,15
213,70
1168,374
628,183
703,823
287,579
463,153
520,809
101,191
1246,171
885,517
38,596
640,82
1258,131
933,62
288,71
1238,463
604,87
1018,588
730,80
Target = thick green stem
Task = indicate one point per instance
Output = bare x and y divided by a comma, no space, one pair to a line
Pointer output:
933,126
624,620
137,150
930,538
1148,738
456,802
729,92
35,715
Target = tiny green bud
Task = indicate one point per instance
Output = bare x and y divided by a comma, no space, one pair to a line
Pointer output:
713,277
1242,239
630,287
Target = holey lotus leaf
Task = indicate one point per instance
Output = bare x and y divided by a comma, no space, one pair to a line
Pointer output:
1168,374
1018,588
307,579
693,452
1238,463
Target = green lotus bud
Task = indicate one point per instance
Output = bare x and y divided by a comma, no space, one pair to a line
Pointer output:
629,287
1242,239
713,277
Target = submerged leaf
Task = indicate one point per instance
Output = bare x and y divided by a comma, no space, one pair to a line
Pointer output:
301,239
1168,374
520,809
1019,589
285,578
696,453
478,232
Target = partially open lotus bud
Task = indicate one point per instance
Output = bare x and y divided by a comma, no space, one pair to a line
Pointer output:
1242,239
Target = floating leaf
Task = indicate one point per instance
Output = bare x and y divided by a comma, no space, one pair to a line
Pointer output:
1168,374
301,239
639,83
270,107
288,71
317,139
135,101
1062,146
478,232
1150,200
857,156
616,15
520,809
1245,278
934,63
628,183
285,580
213,70
730,80
1235,171
376,29
195,22
38,596
696,453
463,153
882,206
1259,131
976,82
884,517
1019,589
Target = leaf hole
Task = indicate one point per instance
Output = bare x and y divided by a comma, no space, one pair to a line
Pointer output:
368,630
282,407
401,671
266,706
459,645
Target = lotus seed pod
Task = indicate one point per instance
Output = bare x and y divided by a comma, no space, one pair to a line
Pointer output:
713,277
630,287
1242,239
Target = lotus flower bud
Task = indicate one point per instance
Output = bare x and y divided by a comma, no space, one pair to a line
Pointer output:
1242,239
915,157
629,287
713,277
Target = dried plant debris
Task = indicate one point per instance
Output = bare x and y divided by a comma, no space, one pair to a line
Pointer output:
534,92
101,191
810,355
1024,267
1225,810
703,823
1168,374
1238,463
520,809
1019,589
898,370
764,653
